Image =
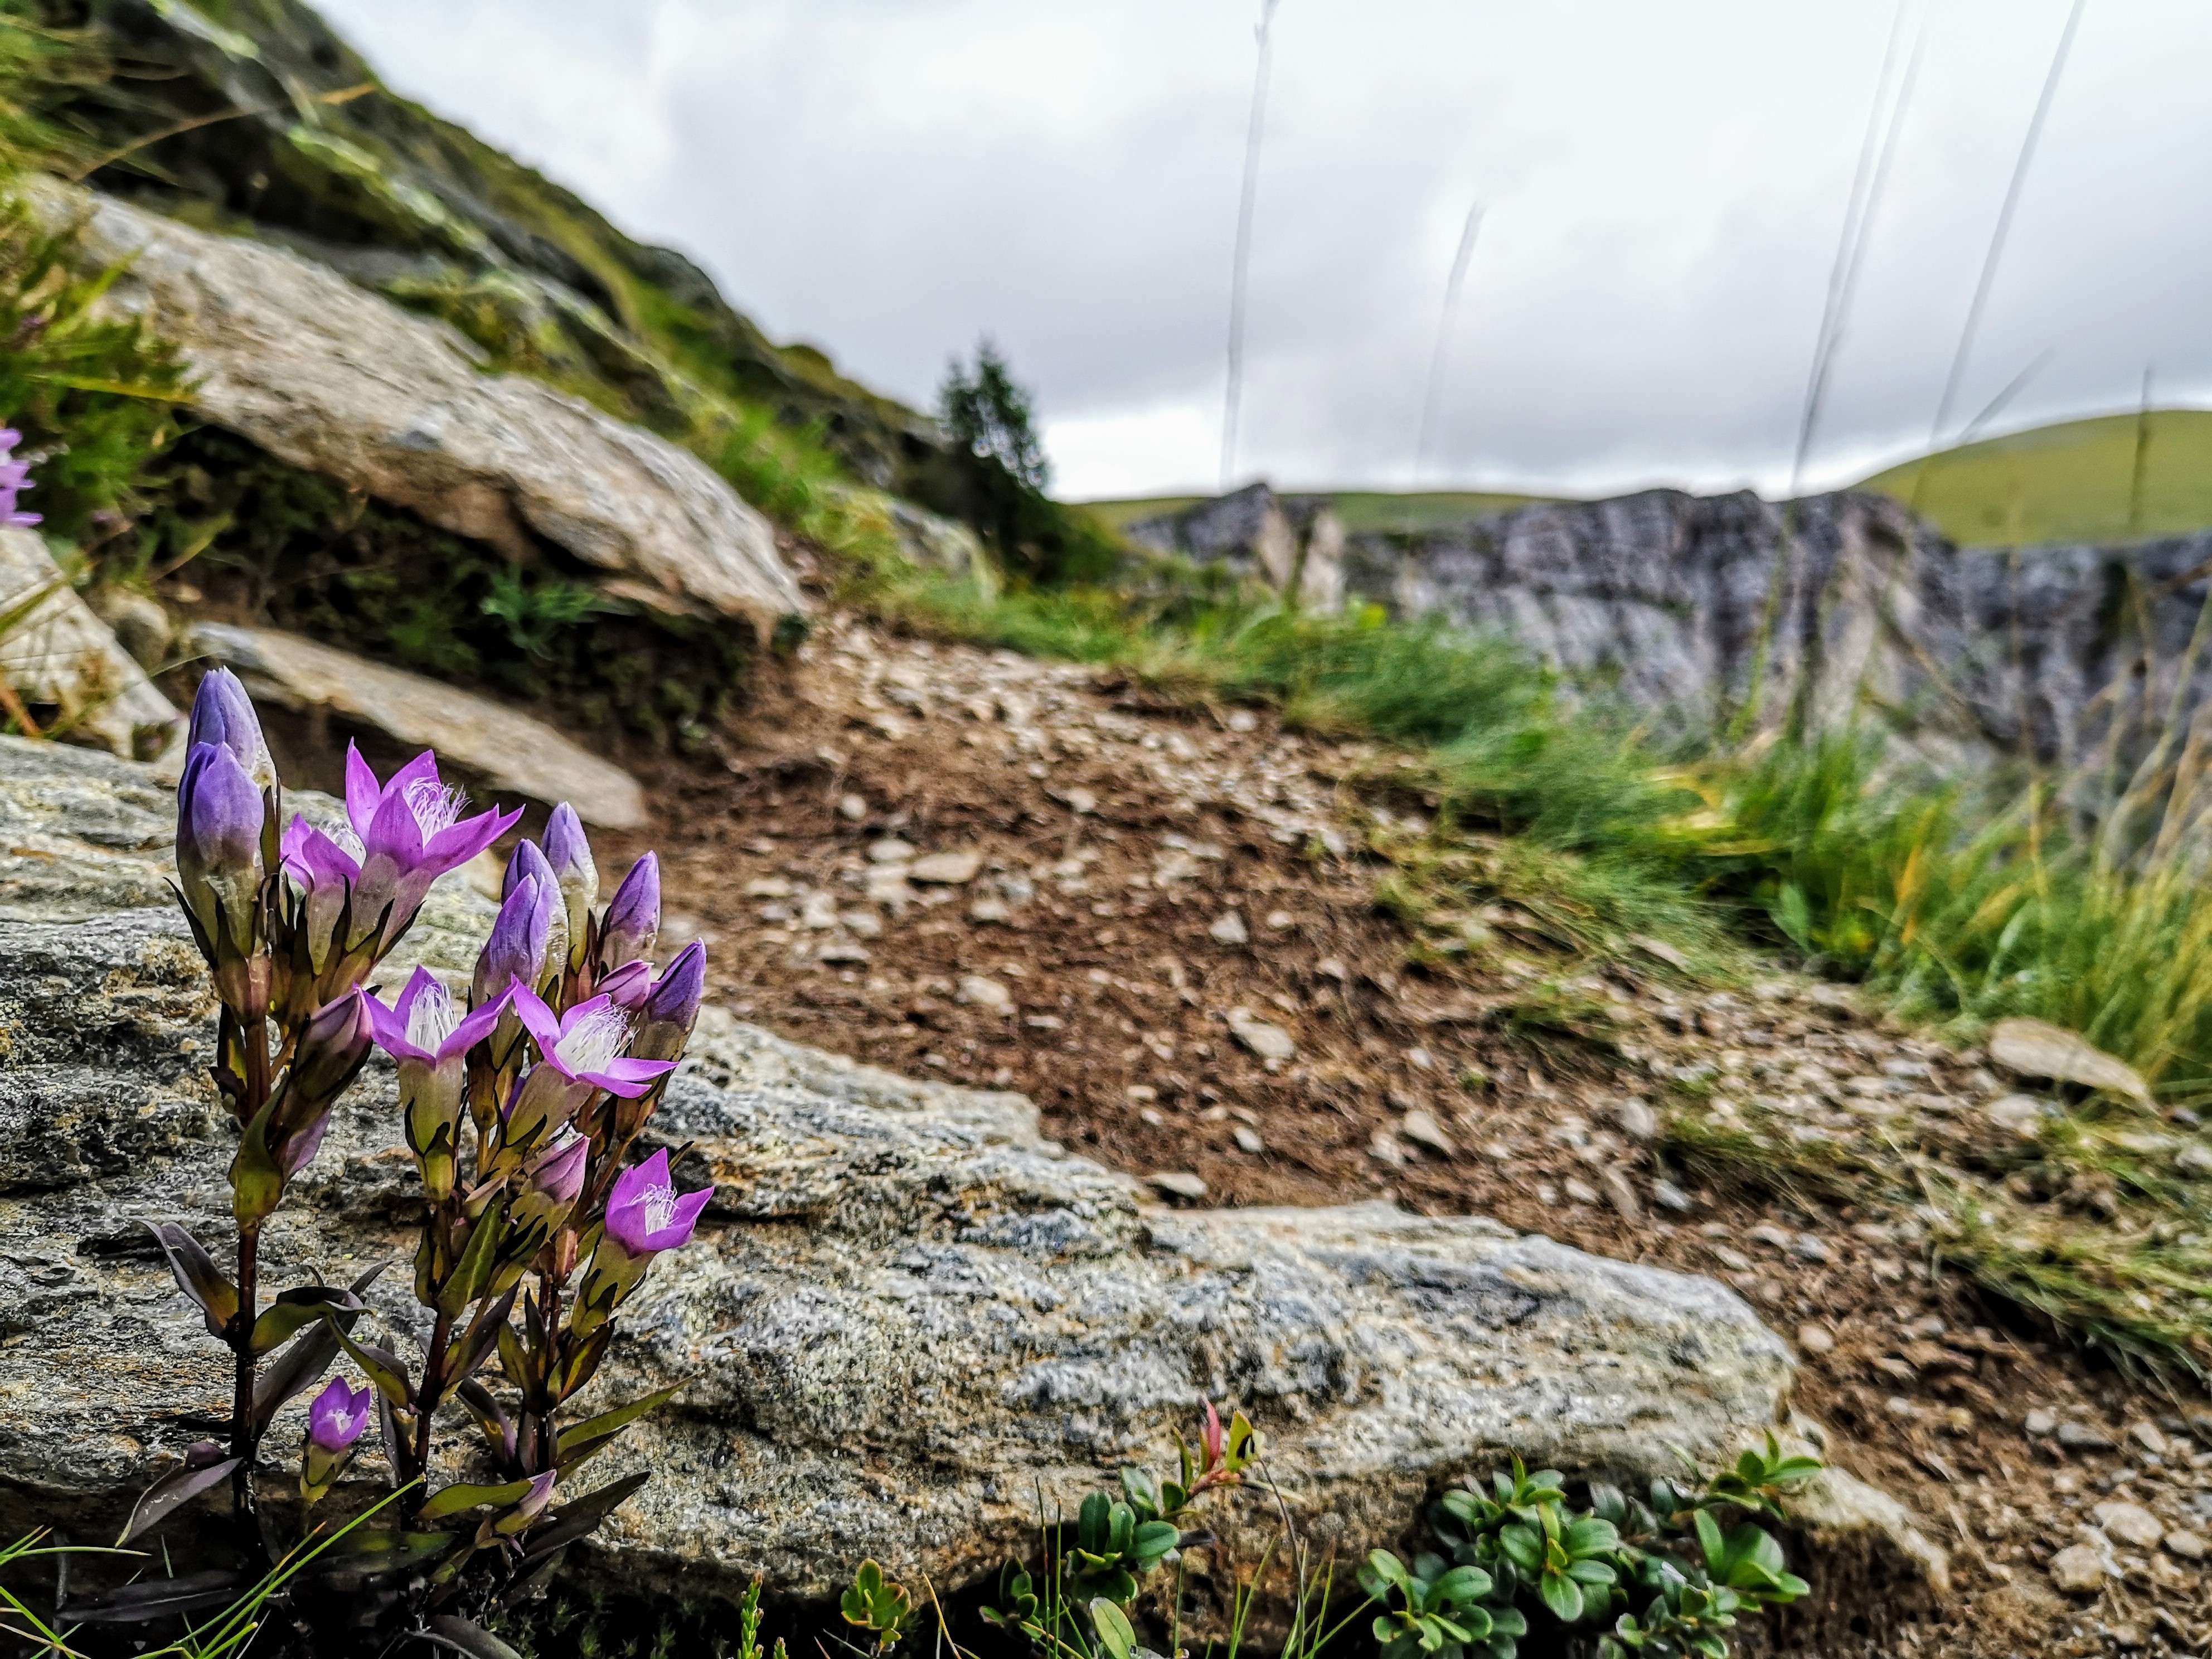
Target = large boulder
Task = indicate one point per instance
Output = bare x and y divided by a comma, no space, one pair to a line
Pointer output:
906,1318
330,377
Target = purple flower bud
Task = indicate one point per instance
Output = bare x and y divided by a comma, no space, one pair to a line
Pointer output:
578,873
219,814
558,1171
332,1047
224,713
672,1006
632,919
518,947
15,477
627,987
338,1415
647,1215
532,1504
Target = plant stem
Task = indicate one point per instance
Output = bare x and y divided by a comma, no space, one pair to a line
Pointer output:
433,1383
243,1437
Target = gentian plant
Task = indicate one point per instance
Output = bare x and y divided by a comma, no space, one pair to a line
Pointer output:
522,1100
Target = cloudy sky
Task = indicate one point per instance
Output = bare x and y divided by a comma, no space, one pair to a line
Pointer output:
1663,187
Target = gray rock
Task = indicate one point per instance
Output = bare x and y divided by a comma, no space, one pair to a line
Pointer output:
60,655
2033,1048
329,377
2078,1570
1267,1042
905,1316
2083,1437
513,751
1288,542
1178,1183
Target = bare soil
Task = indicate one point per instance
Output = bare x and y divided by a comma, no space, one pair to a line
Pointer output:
1158,923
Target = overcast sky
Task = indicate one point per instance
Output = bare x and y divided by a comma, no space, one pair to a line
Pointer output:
1664,185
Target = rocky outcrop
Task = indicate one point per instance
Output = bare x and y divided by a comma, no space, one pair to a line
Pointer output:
907,1317
59,656
1294,544
511,750
326,376
1732,613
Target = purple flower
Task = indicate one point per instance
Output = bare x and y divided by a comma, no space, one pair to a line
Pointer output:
338,1415
14,478
430,1037
426,1027
518,950
334,1422
219,817
580,1053
552,1181
408,832
411,833
586,1044
224,713
632,919
577,872
332,1047
647,1215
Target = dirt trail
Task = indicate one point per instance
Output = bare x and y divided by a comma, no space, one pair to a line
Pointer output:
1157,924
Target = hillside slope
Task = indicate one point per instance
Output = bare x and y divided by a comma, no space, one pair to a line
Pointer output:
258,119
2072,482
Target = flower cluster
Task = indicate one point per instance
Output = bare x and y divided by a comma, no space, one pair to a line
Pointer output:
522,1097
14,479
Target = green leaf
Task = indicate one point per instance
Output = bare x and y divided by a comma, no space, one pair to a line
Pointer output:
452,1500
1144,1491
581,1440
1591,1572
1115,1634
1523,1546
473,1270
1709,1539
1589,1536
294,1309
386,1370
1462,1584
466,1636
197,1276
1386,1566
1508,1621
1154,1539
1562,1595
173,1490
1094,1527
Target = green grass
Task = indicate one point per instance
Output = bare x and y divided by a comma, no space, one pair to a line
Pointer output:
1360,509
2073,482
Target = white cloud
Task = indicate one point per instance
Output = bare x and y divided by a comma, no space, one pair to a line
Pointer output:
1664,185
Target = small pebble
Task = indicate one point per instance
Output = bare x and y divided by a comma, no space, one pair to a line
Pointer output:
852,808
2186,1545
1247,1140
1228,929
1178,1183
1668,1196
2130,1524
2083,1437
1815,1340
1581,1191
2039,1423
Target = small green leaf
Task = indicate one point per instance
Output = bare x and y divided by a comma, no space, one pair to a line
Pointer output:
1562,1595
1115,1634
452,1500
581,1440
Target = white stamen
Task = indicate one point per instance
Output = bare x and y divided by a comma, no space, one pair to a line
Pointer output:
593,1041
659,1207
434,806
433,1018
349,842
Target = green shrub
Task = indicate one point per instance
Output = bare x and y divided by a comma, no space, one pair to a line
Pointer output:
95,399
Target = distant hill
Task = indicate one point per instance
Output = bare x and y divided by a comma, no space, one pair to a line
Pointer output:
1360,509
2073,482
